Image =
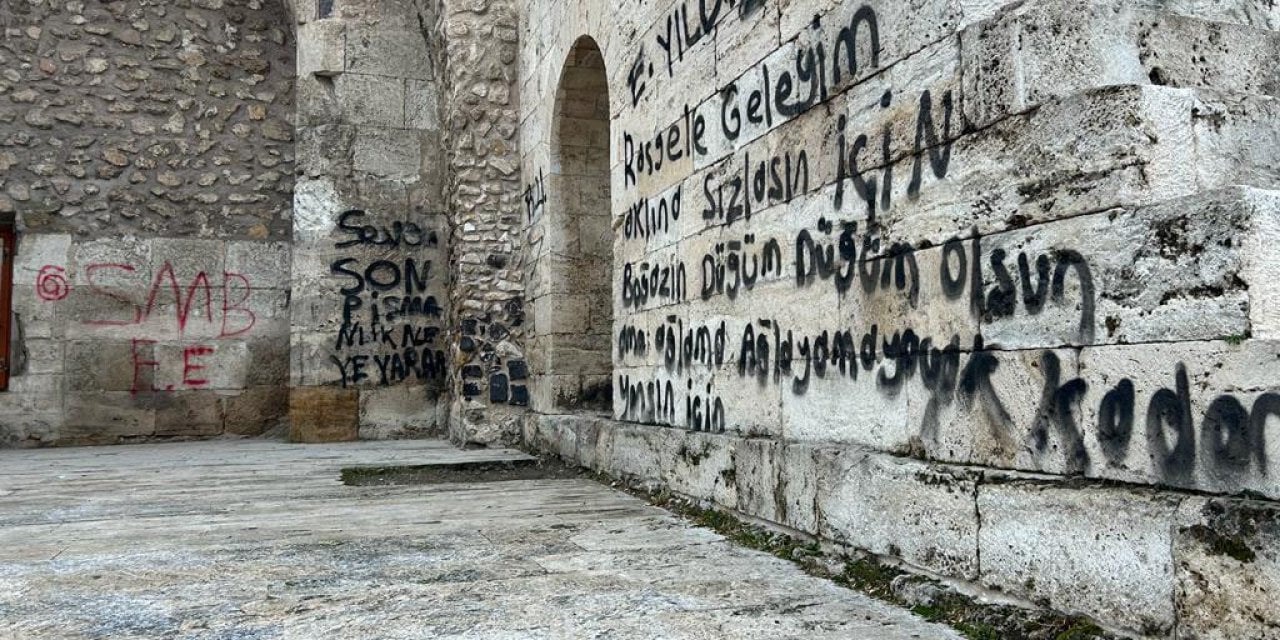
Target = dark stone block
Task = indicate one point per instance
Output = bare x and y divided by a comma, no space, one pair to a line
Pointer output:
498,388
469,327
520,396
466,344
472,371
518,369
470,390
515,312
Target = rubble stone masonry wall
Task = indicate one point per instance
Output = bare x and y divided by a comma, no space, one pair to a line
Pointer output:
147,160
489,366
990,288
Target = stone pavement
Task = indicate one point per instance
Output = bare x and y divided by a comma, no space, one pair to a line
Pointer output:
257,539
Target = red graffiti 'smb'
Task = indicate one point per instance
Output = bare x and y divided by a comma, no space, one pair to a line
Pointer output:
236,318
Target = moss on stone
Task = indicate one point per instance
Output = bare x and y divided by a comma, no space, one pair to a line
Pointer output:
870,575
1223,545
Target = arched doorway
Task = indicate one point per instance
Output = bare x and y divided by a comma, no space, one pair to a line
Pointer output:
575,323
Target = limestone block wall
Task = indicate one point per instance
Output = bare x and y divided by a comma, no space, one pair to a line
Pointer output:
146,161
370,261
985,287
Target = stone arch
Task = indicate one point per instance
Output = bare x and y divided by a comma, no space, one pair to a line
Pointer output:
574,323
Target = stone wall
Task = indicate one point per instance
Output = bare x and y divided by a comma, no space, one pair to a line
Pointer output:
570,227
489,383
146,156
370,237
943,281
152,118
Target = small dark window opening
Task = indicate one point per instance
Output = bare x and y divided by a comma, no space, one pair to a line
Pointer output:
6,299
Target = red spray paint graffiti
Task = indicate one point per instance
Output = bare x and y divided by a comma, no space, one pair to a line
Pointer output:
224,306
51,283
236,317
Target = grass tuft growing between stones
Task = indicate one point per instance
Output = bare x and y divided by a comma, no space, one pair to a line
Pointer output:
457,472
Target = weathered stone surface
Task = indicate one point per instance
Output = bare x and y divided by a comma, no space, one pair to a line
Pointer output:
323,414
106,417
255,411
1045,542
189,414
403,411
1194,268
479,124
986,235
902,508
368,267
1044,49
532,550
321,48
115,139
835,265
1226,554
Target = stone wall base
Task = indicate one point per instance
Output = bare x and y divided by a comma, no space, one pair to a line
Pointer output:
1153,562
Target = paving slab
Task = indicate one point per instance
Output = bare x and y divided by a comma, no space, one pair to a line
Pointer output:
260,540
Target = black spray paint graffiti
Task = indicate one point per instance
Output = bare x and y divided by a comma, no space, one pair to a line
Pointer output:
1002,300
774,355
1232,443
399,234
874,187
681,34
638,76
1057,415
761,97
835,253
656,402
651,217
1231,446
817,258
737,265
535,196
389,321
890,361
664,281
756,185
678,37
683,138
777,97
698,346
780,94
395,290
632,342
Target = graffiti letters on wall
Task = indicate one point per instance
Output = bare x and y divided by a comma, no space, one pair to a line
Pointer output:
194,308
390,331
893,325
